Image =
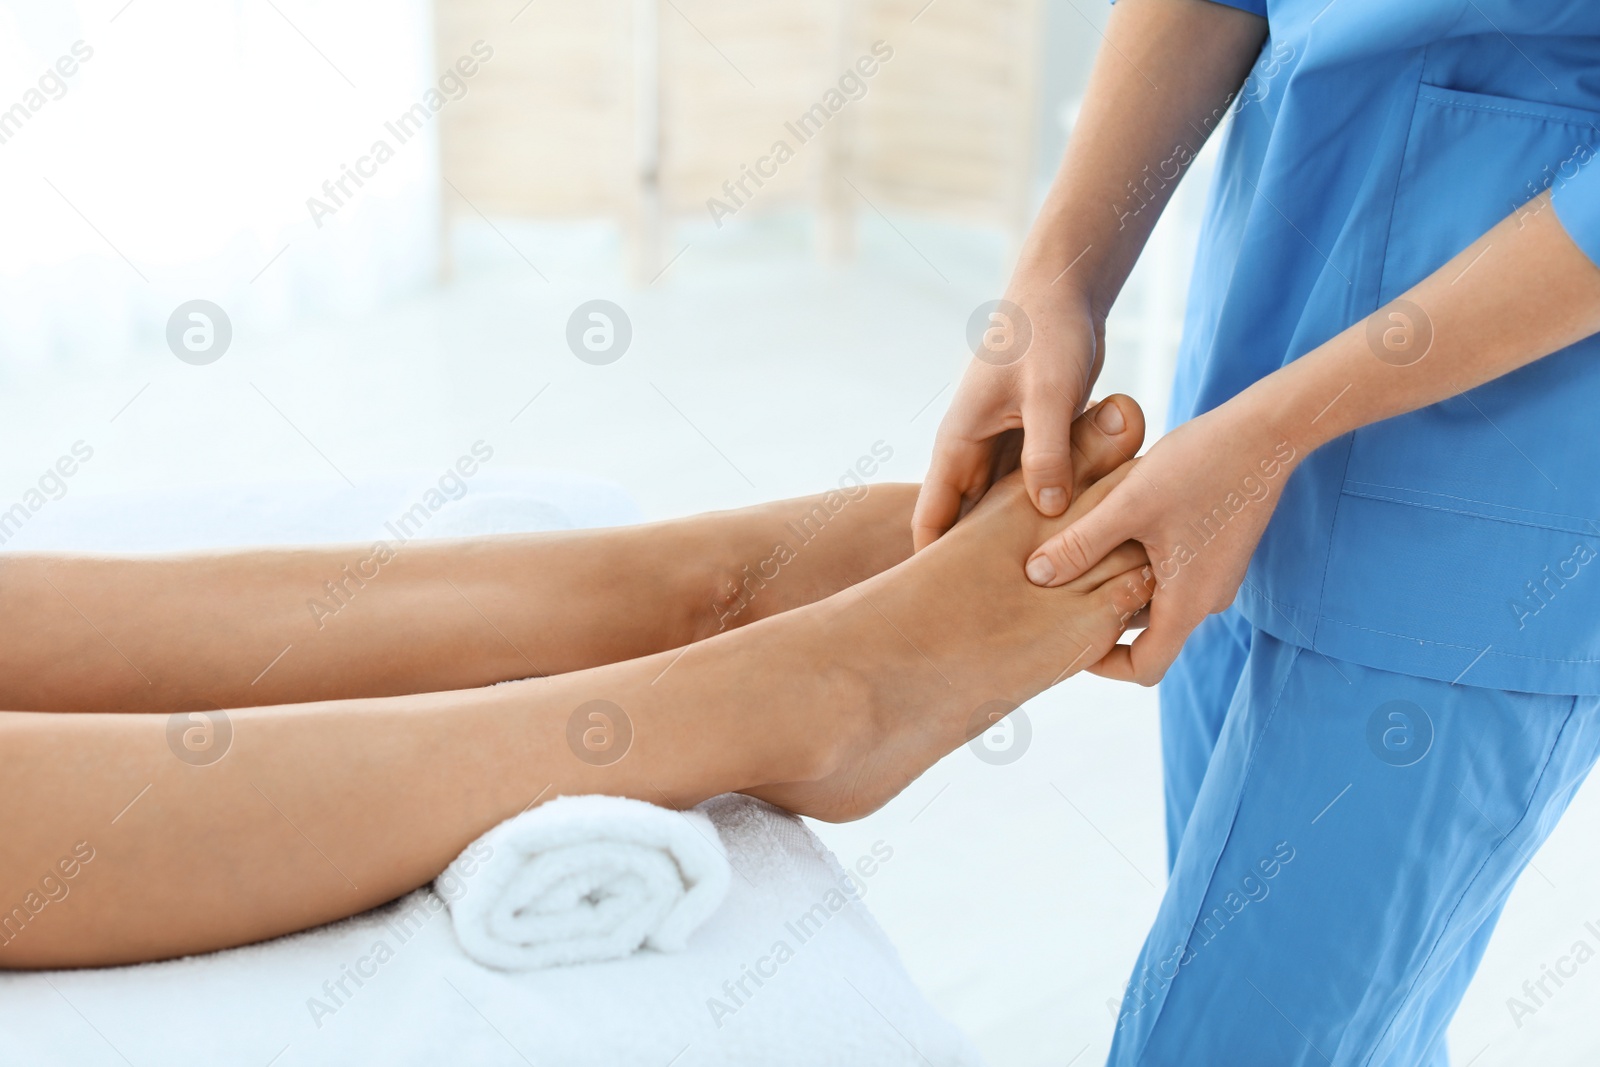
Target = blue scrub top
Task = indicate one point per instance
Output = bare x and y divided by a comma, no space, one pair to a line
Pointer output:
1373,141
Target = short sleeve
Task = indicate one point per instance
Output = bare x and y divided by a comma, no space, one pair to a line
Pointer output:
1577,204
1255,7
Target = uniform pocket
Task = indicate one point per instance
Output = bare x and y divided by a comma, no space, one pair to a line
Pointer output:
1472,159
1506,450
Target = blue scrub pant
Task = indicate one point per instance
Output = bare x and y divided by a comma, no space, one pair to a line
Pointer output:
1341,842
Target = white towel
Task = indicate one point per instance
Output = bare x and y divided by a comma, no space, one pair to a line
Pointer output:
583,879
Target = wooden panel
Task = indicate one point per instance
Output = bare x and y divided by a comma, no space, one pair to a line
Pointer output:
630,108
731,75
949,123
547,126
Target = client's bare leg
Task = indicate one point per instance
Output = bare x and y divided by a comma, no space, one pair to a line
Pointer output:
289,625
286,625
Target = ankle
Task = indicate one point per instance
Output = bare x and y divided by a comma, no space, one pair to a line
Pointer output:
822,730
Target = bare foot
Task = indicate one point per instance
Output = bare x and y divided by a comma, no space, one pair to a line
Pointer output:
915,657
830,708
774,557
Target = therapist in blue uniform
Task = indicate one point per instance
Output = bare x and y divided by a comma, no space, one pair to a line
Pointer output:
1376,520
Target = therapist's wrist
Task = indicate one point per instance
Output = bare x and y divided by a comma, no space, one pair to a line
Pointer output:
1250,436
1062,261
1048,295
1298,403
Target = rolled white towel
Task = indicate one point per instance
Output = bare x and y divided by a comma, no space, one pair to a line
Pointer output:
583,879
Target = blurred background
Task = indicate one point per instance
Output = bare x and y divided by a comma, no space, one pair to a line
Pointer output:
399,215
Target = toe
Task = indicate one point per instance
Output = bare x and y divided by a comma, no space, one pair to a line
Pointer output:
1105,437
1128,593
1117,603
1105,575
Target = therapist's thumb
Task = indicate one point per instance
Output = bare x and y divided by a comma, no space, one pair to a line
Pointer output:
1047,453
1071,552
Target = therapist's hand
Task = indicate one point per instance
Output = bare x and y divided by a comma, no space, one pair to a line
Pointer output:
1082,245
1198,501
1040,385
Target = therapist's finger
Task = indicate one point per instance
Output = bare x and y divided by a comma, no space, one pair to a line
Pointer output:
958,473
1147,659
1071,552
1047,417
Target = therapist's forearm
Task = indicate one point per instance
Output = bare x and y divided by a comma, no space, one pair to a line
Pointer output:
1161,83
1518,293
